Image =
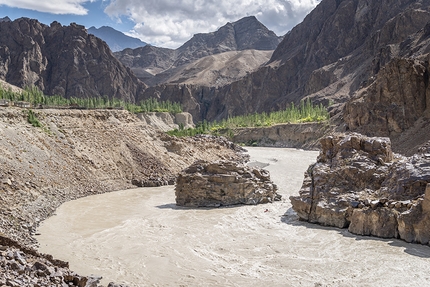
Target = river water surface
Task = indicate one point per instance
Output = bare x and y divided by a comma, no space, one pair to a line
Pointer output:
141,238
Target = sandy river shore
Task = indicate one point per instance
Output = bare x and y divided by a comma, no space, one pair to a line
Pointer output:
141,238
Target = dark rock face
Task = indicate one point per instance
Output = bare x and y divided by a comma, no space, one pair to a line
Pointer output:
396,101
214,184
359,184
246,33
62,60
116,40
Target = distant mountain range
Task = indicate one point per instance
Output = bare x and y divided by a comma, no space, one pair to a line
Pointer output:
116,40
155,65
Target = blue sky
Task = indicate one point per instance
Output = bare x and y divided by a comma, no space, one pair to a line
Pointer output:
94,17
163,23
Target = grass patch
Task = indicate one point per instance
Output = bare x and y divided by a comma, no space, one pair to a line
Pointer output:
33,120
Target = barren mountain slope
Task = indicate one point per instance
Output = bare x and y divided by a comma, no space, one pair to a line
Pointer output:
331,54
219,69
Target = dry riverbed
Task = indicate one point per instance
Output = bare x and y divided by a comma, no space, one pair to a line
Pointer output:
141,238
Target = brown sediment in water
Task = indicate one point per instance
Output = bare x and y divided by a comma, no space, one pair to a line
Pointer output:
140,237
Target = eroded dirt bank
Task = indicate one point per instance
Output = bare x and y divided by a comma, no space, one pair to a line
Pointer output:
73,154
77,153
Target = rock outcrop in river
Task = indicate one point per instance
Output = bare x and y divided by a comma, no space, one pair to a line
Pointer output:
214,184
360,184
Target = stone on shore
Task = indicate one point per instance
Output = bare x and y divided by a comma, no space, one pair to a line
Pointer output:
219,183
360,184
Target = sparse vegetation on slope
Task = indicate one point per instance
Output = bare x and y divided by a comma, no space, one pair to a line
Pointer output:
305,112
36,98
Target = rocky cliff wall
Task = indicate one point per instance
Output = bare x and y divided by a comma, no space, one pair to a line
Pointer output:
360,184
62,60
333,53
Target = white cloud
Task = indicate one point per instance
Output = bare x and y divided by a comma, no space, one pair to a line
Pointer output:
55,7
170,23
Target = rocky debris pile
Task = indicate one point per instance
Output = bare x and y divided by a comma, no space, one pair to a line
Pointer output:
360,184
213,184
20,266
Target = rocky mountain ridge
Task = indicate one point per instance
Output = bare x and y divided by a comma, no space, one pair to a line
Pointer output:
346,52
245,34
62,60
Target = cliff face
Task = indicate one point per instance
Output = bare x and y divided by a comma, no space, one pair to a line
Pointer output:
62,60
359,184
396,101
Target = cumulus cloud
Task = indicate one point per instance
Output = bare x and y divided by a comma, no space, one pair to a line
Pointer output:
54,7
170,23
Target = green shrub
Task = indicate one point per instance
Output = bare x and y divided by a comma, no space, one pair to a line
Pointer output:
36,97
305,112
33,120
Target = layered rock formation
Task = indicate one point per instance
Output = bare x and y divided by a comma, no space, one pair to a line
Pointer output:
62,60
245,34
359,184
214,184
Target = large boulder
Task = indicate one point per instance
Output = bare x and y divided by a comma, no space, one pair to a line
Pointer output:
213,184
359,184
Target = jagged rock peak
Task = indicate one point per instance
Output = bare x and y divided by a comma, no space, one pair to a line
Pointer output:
246,33
5,19
62,60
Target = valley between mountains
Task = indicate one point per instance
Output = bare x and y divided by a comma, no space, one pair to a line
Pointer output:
365,61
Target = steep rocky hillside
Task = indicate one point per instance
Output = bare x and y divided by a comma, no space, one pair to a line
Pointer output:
156,65
62,60
341,47
77,153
